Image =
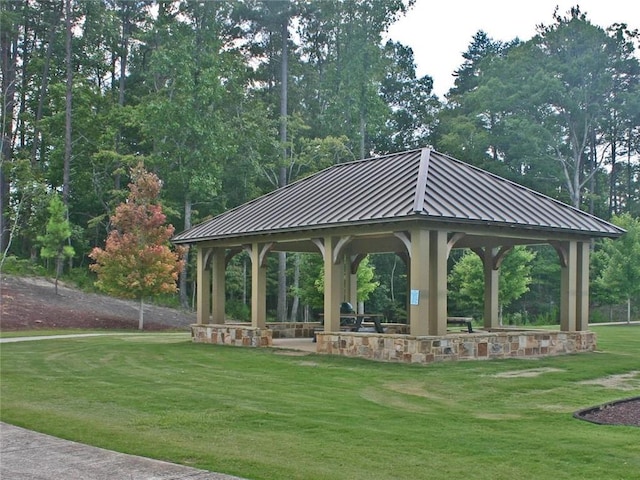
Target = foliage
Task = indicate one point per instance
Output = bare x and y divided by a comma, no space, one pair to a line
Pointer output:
620,278
193,89
312,292
53,242
13,265
137,261
466,279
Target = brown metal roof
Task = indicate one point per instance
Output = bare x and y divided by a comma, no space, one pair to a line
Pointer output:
420,184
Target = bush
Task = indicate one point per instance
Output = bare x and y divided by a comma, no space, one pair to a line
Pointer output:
237,310
21,266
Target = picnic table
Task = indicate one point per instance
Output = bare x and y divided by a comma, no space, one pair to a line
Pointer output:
352,322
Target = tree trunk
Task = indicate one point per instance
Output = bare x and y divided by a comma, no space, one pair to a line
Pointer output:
282,256
43,88
141,314
184,297
628,309
124,56
68,101
8,51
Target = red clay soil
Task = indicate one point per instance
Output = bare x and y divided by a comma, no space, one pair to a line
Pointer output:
31,303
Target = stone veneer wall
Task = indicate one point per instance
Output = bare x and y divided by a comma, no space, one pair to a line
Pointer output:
236,335
293,329
477,346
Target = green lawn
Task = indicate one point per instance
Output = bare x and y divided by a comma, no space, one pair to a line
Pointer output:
266,414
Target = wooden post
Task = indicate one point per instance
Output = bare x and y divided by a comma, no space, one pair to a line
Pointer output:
258,288
333,285
568,283
582,286
203,286
218,266
419,282
491,290
438,283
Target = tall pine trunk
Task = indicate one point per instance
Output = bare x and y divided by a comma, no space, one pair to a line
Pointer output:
184,297
67,106
8,51
282,256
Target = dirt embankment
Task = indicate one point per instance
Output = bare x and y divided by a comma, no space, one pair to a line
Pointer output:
28,303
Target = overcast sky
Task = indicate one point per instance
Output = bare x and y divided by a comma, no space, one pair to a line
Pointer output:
439,31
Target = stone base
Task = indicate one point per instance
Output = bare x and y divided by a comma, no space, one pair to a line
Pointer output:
464,346
236,335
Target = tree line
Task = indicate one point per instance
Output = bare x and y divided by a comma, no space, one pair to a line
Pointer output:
227,100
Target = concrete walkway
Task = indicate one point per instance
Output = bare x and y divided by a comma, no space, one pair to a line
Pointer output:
28,455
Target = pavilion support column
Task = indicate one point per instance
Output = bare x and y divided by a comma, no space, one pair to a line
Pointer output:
568,286
491,290
203,286
582,286
333,285
352,289
258,288
218,267
419,282
438,253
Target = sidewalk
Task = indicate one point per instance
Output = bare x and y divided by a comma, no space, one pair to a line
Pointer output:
28,455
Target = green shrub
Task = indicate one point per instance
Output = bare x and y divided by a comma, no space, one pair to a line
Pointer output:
22,266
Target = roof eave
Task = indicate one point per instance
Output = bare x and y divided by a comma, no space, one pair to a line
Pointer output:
414,216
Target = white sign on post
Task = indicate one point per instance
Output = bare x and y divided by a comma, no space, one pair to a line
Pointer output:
415,297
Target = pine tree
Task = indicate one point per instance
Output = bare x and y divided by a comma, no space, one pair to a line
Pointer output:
57,234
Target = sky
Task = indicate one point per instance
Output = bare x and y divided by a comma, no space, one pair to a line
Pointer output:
440,31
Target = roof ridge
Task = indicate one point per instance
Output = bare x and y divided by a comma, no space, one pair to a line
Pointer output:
421,181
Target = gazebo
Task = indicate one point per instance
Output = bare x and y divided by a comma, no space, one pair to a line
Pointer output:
419,204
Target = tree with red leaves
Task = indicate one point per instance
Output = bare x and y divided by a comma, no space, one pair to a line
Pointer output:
137,261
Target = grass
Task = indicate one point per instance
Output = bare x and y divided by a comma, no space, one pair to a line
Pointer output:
266,414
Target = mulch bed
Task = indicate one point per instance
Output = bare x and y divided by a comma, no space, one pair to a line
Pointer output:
621,412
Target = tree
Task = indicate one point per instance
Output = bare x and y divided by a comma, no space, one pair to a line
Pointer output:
621,276
58,233
466,280
137,261
312,291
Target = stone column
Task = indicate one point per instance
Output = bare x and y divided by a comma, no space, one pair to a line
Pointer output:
438,282
203,286
218,267
419,282
333,285
258,288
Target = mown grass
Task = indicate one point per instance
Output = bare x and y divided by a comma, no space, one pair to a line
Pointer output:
268,414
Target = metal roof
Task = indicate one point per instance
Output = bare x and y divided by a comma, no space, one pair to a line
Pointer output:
422,184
